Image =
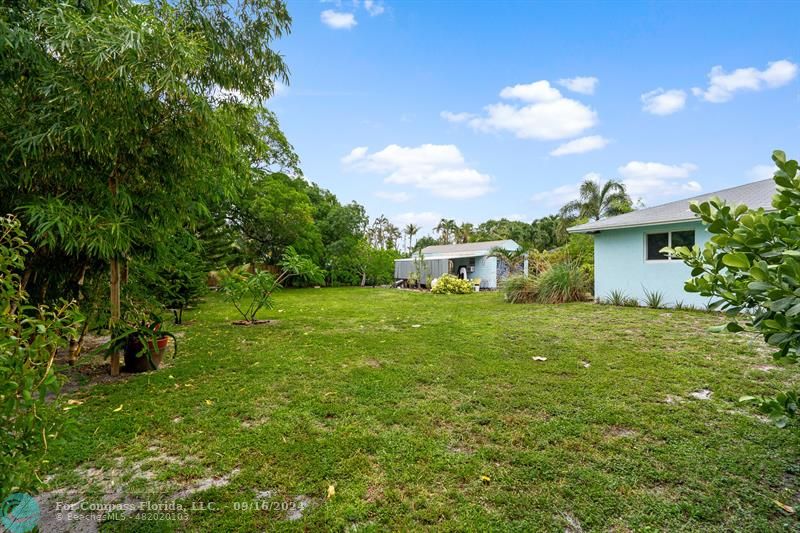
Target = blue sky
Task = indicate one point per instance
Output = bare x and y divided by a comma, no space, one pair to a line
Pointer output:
421,110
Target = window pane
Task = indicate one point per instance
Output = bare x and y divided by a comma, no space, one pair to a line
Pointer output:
655,242
683,238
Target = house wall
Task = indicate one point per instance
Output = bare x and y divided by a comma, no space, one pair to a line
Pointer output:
619,259
485,270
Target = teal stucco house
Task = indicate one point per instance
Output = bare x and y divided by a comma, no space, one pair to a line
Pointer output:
627,247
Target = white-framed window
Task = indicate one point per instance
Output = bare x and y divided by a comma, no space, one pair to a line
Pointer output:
654,242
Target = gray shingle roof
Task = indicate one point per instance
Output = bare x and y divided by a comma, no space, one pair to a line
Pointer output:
754,195
474,248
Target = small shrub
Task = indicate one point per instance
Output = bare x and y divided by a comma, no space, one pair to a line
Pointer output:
616,297
653,299
630,301
519,289
565,282
450,284
29,338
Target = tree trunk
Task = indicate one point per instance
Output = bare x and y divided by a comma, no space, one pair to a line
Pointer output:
363,278
116,281
115,310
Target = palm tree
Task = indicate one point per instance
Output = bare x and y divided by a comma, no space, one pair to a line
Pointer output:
598,201
464,232
393,235
513,258
410,230
446,229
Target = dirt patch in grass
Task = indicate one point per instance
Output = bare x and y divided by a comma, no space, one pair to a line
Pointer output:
620,432
254,323
204,484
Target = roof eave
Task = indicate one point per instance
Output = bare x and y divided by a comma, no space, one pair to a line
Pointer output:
595,229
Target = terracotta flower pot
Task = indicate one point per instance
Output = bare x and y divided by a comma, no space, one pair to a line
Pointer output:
142,363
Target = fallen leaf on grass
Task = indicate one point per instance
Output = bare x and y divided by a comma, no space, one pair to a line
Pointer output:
74,402
785,508
539,358
331,491
209,402
118,409
416,325
485,479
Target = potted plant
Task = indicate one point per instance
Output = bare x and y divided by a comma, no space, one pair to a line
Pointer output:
139,335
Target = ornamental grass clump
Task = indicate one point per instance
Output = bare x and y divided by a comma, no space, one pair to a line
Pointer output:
564,282
520,289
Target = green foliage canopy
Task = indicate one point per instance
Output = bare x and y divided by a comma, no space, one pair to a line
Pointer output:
751,265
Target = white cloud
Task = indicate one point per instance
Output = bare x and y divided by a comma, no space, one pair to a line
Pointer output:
579,146
456,117
437,168
761,172
559,196
426,219
542,113
338,20
373,8
661,102
355,154
653,182
722,85
642,170
581,84
397,197
538,91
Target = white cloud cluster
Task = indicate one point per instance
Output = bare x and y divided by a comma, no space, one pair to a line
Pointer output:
661,102
373,8
338,20
557,197
653,181
544,115
723,85
581,145
346,20
437,168
581,84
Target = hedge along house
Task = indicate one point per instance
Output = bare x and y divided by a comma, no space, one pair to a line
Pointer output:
469,261
627,247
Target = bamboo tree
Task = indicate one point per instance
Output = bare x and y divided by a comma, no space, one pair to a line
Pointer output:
123,120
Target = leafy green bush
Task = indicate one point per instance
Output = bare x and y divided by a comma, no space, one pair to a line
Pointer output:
29,338
564,282
177,279
450,284
250,292
519,289
752,265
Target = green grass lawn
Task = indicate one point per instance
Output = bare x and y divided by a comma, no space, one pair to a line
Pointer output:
429,411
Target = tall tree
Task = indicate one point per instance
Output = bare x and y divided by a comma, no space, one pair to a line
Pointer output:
122,120
410,231
597,201
464,232
446,228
